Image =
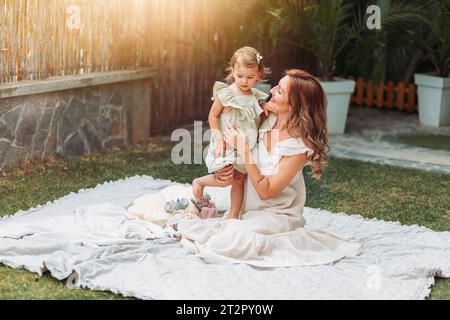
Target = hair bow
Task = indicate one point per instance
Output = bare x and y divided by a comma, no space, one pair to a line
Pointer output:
259,57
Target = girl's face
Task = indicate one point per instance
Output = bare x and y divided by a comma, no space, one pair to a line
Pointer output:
245,78
280,99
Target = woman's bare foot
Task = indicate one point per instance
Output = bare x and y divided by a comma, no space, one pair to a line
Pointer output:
197,189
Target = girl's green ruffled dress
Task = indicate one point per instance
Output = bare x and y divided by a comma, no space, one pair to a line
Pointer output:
245,115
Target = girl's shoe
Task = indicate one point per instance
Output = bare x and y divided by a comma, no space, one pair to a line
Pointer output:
207,209
174,205
209,212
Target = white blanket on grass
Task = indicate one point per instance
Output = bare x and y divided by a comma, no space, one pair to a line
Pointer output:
90,238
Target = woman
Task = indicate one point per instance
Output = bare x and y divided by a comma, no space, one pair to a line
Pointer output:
271,231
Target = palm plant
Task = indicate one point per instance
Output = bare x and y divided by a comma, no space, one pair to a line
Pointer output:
317,26
437,43
335,31
397,48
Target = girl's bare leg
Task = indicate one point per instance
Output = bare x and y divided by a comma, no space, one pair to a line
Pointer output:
206,181
237,195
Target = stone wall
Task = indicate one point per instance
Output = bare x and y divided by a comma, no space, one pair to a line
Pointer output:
73,116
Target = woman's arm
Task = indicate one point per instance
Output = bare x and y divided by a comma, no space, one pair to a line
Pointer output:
270,187
268,108
267,187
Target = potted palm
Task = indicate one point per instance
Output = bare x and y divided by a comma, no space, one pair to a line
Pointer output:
321,28
434,88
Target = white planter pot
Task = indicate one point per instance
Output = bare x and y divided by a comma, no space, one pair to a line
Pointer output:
338,94
434,99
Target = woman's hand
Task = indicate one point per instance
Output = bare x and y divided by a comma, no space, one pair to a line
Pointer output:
219,149
225,175
269,107
266,108
235,138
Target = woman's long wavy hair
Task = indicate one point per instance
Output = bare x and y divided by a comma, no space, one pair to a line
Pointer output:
308,119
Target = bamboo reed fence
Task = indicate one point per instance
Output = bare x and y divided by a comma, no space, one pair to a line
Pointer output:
39,39
183,39
385,95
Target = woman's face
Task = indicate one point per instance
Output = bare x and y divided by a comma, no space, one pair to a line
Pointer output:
280,96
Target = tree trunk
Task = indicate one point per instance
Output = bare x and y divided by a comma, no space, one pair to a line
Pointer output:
416,59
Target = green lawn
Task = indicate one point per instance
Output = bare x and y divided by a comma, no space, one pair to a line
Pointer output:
372,190
438,142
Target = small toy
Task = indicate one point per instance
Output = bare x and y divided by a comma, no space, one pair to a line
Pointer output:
207,209
174,205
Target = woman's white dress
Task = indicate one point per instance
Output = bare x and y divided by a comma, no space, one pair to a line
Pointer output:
271,232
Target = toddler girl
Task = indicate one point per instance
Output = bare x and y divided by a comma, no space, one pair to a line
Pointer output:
238,103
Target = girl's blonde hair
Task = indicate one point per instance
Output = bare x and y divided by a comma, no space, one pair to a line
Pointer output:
247,57
308,119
